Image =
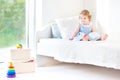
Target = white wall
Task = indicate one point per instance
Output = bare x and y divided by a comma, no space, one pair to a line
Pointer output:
52,9
108,15
38,14
91,6
102,16
114,19
48,10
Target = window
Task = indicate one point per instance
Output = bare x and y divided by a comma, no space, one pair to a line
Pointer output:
12,23
16,22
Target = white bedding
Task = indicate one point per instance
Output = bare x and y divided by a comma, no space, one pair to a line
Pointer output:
99,53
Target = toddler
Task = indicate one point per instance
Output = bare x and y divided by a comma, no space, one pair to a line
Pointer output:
85,31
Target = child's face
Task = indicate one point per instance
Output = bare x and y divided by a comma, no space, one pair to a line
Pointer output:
84,19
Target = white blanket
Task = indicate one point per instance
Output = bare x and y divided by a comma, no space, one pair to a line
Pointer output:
99,53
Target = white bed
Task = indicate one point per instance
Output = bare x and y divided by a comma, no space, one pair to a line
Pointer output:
101,53
52,41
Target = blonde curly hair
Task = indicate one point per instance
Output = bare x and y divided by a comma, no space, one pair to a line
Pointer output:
86,13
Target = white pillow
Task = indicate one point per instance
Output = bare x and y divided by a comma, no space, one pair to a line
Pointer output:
67,26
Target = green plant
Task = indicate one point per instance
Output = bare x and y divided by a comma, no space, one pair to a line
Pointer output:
12,22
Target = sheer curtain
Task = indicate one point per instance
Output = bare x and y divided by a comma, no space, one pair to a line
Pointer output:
102,13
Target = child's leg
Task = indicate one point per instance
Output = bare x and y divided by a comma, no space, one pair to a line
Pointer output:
79,37
94,36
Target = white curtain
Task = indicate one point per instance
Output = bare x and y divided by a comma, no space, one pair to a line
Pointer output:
102,13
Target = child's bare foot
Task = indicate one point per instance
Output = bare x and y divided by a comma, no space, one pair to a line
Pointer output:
85,38
104,37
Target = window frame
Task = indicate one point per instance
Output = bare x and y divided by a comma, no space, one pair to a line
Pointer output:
30,26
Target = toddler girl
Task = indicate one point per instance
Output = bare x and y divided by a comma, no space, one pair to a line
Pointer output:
85,31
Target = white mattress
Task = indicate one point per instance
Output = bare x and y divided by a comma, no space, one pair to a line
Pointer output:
99,53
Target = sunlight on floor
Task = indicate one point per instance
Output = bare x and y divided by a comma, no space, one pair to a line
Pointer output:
5,54
59,72
67,72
